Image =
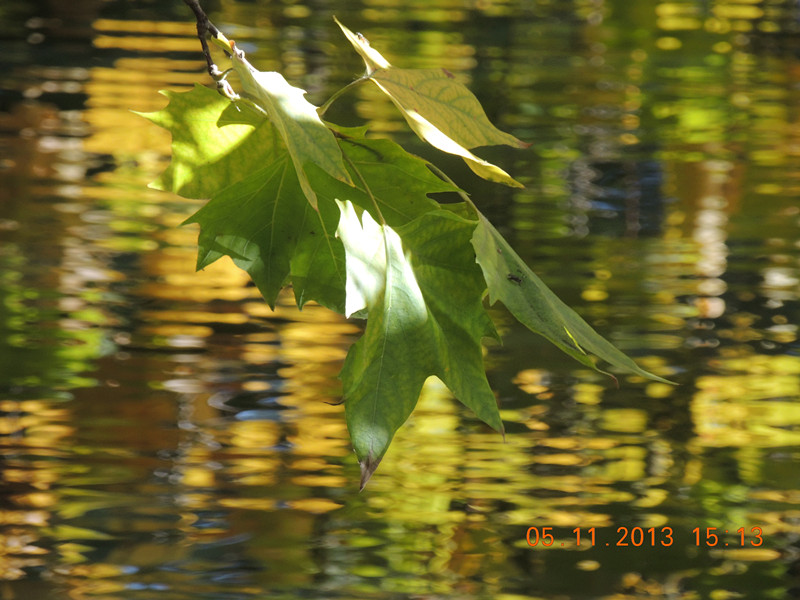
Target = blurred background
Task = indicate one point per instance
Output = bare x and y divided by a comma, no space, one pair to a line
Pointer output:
166,436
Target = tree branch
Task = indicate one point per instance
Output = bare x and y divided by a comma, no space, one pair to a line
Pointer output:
204,27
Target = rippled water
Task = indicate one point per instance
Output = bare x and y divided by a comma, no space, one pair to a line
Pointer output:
164,435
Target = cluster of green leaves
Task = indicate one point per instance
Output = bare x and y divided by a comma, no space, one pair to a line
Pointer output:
348,221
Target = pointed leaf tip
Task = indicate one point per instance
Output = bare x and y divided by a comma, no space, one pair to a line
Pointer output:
426,317
368,467
372,58
539,309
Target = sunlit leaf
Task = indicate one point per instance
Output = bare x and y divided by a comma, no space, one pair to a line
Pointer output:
258,214
438,109
425,318
453,286
447,104
317,267
434,136
348,222
366,258
307,138
372,58
265,225
398,180
511,282
203,137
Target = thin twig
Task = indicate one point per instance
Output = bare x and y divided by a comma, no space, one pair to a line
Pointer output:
324,108
204,27
464,196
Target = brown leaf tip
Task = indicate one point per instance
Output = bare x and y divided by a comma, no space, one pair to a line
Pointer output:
368,466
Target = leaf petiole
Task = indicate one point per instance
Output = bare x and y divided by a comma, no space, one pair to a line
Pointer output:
324,108
464,196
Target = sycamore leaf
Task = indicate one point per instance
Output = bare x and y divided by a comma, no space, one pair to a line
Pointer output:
397,180
426,318
438,109
538,308
203,137
434,136
307,138
266,226
258,213
447,104
453,287
318,267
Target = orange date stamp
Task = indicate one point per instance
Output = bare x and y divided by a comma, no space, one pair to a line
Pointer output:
650,537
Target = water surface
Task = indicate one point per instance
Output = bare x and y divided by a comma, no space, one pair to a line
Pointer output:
166,436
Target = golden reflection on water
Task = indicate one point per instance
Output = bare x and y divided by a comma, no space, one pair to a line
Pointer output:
198,435
754,404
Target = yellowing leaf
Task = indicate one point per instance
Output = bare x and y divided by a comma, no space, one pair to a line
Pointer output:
438,109
372,57
447,104
436,138
419,276
202,139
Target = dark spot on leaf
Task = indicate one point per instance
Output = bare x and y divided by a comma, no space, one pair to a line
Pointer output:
448,73
514,278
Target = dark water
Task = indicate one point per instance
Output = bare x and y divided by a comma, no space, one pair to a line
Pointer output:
165,436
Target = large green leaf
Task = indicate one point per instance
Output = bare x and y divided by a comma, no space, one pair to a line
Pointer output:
438,109
453,286
265,225
537,307
318,264
258,213
307,138
425,318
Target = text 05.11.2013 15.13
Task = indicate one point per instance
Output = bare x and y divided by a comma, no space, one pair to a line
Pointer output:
732,537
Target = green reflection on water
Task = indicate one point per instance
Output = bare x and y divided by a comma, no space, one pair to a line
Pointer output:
199,452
